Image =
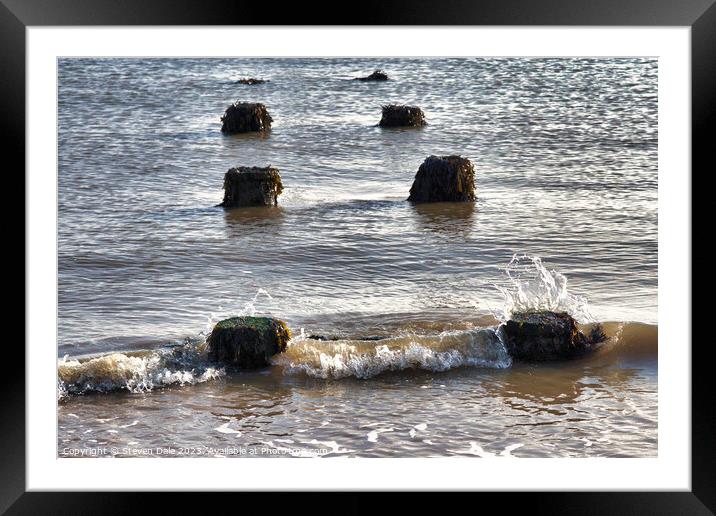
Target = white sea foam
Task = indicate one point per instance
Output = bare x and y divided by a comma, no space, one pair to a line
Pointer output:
139,372
373,434
507,452
224,429
476,449
417,428
361,359
61,390
332,446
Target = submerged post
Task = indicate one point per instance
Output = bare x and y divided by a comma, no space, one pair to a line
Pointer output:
243,117
378,75
251,81
247,342
444,179
544,335
251,186
399,115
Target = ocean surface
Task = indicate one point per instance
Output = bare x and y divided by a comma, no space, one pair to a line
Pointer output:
565,154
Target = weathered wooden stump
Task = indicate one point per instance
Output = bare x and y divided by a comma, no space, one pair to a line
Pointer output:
244,117
541,336
444,179
247,342
398,115
251,186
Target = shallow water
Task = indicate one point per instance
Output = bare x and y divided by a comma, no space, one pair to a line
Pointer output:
603,406
565,152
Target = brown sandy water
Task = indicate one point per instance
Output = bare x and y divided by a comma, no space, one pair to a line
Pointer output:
565,156
404,404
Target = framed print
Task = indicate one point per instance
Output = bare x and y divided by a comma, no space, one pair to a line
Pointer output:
439,249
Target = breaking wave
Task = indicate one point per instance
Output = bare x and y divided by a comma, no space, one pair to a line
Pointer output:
631,340
528,285
135,371
361,359
142,371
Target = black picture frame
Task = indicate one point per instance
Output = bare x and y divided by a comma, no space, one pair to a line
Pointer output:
700,15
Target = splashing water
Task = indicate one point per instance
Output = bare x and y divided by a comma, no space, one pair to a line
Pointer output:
531,286
144,371
249,309
135,372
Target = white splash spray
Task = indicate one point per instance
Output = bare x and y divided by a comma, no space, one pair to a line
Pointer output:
250,308
531,286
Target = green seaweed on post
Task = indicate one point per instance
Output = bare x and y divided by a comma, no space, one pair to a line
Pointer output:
246,341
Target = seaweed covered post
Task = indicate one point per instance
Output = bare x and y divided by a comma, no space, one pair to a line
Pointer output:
243,117
444,179
247,342
251,186
251,81
543,335
378,75
399,115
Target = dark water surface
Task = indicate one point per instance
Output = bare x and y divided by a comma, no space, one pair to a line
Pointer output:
565,153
